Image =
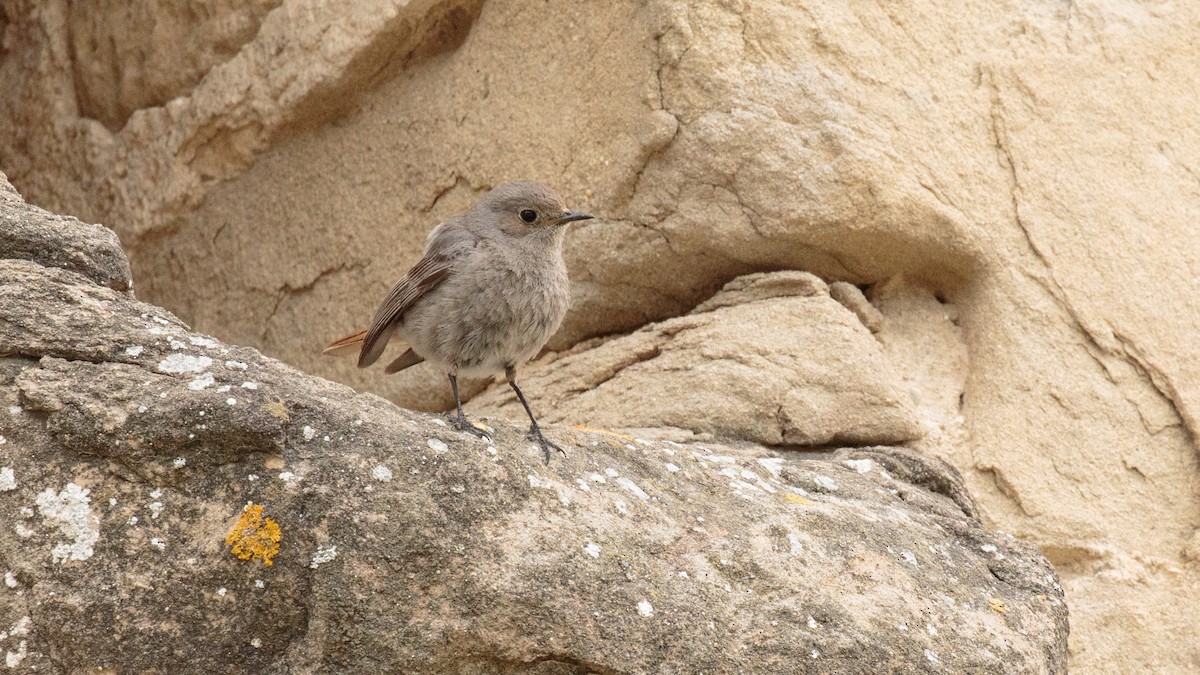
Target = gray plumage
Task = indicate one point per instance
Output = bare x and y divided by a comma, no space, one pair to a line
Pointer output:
489,291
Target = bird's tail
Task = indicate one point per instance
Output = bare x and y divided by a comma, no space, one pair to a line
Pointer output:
351,344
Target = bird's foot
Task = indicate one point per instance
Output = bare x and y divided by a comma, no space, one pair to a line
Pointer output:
461,423
535,434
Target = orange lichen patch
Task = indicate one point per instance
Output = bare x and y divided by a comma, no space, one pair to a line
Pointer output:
277,409
254,537
796,499
998,605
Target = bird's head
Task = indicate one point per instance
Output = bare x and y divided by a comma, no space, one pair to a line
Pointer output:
527,207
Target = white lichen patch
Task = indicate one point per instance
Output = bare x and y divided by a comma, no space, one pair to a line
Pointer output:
179,462
644,608
597,478
20,628
258,583
611,472
583,485
69,511
238,365
795,547
323,555
134,350
184,363
825,482
932,656
633,488
10,580
202,382
592,549
287,476
256,643
231,401
221,591
672,468
156,509
437,446
309,433
812,623
13,659
203,342
158,543
14,410
223,388
717,459
622,508
252,385
909,557
859,465
381,473
772,464
8,480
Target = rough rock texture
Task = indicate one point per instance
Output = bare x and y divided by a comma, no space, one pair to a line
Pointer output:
30,233
138,458
1028,171
772,359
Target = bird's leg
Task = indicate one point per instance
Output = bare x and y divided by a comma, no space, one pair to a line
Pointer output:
460,420
535,431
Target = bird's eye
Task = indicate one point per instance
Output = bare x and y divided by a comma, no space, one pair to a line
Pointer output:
528,215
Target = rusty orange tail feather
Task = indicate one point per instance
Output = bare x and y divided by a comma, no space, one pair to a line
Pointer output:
350,344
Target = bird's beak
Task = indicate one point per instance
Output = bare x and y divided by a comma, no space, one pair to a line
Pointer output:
571,216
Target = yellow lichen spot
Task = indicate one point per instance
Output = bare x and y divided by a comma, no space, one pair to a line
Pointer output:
998,605
606,432
796,499
277,409
254,537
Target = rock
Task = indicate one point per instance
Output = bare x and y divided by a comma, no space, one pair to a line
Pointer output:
852,299
772,358
27,232
177,503
1025,163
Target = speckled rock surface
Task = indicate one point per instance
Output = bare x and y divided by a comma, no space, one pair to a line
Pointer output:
27,232
132,451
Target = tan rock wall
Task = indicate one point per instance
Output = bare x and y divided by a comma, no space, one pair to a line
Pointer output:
1034,166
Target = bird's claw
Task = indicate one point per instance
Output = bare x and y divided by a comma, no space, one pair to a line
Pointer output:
535,435
461,423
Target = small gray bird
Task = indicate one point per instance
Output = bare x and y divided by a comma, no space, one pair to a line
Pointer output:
488,292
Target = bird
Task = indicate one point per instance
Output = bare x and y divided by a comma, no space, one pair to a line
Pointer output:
489,290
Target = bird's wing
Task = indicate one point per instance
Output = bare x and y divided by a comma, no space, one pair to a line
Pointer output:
447,243
406,360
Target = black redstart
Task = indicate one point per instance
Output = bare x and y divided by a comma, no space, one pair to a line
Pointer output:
488,292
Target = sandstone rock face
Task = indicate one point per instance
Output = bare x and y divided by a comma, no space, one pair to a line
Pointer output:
772,359
177,504
1013,184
